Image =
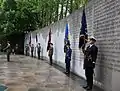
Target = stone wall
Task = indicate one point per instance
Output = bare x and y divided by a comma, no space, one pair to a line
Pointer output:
103,20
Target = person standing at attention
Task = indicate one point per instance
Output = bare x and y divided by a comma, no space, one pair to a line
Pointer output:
50,53
32,50
90,57
68,58
8,49
27,50
38,50
16,49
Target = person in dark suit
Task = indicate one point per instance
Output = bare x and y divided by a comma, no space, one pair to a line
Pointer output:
32,50
50,53
8,48
90,56
68,58
38,50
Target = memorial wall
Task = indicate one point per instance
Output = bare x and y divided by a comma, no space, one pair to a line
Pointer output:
103,22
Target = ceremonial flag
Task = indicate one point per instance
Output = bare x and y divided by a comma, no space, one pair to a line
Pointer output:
30,39
66,39
36,38
83,32
49,40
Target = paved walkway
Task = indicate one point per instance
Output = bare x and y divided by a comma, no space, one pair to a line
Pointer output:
28,74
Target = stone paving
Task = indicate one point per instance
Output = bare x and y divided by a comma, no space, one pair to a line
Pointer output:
28,74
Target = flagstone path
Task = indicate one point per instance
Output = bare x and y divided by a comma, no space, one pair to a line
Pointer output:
28,74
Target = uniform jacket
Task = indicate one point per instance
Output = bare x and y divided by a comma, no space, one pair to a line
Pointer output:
90,56
27,48
50,53
39,48
16,47
8,48
32,48
68,55
65,48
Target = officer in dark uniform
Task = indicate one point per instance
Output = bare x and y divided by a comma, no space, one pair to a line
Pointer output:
16,49
38,50
68,58
32,50
27,50
66,41
8,49
50,53
89,62
65,46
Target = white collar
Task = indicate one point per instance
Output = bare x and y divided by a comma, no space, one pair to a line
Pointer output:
91,45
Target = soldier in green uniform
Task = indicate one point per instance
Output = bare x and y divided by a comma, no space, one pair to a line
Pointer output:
8,49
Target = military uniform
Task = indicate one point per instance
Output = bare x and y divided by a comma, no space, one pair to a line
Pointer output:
67,42
27,50
38,50
68,59
65,48
50,54
32,50
16,49
8,49
89,63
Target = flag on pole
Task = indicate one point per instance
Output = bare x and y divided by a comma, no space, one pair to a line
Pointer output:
36,38
83,32
49,40
66,39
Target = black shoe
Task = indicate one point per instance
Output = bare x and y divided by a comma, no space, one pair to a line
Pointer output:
85,87
89,88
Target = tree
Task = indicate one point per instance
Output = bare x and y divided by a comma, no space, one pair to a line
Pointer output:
27,15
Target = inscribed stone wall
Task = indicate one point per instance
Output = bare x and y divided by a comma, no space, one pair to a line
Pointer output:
103,22
107,31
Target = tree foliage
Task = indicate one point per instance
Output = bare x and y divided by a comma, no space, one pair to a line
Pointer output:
27,15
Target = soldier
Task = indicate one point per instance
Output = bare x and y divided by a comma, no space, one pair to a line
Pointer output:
89,62
13,51
35,51
66,41
16,49
68,58
32,50
8,48
65,46
50,53
38,50
27,50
